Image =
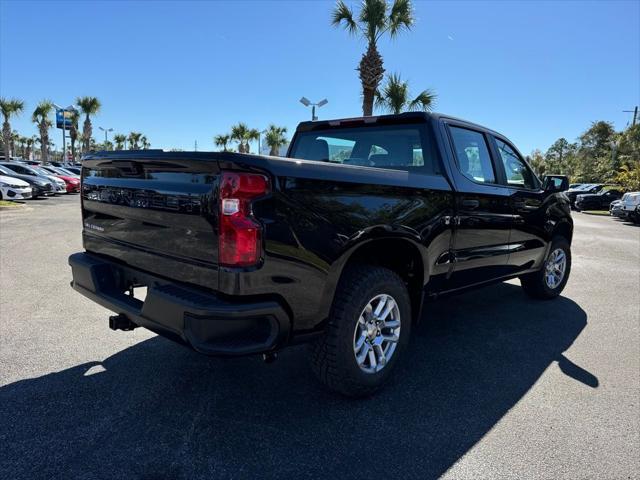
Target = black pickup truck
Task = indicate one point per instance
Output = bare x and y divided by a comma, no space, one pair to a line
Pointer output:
339,244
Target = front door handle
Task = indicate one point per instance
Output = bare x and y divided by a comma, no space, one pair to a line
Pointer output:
470,204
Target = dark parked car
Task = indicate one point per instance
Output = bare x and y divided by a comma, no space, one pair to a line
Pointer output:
40,186
597,201
338,245
586,188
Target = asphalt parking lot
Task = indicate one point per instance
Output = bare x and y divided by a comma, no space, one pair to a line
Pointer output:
494,385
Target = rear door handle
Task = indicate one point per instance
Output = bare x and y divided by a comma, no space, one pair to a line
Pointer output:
470,204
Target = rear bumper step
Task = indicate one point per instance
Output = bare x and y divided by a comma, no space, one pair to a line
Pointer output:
206,322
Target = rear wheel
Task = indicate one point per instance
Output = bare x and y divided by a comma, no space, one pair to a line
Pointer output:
550,280
369,327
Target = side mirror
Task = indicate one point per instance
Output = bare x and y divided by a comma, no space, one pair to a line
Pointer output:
555,183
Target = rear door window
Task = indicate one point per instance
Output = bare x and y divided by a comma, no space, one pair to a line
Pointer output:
404,147
472,153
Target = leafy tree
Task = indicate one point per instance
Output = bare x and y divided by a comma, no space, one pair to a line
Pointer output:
40,117
376,18
89,106
395,98
275,137
9,107
120,141
222,141
538,162
629,177
242,134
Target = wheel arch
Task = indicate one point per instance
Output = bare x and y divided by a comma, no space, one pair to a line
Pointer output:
403,255
564,229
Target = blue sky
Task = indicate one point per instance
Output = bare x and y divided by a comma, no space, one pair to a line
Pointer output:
184,71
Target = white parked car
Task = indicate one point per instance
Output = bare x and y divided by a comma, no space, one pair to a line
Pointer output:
14,189
630,205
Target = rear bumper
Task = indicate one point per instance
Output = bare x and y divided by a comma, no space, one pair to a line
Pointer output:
204,321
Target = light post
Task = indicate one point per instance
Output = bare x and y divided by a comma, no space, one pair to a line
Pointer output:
70,108
106,131
306,102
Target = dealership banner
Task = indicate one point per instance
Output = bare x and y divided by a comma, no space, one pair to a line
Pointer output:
63,117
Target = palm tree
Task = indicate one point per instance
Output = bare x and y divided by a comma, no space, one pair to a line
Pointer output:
89,106
15,139
275,137
9,107
376,18
395,97
134,139
73,133
120,141
28,141
144,143
40,117
242,134
222,141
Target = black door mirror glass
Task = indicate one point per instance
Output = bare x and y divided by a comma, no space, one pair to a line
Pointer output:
556,183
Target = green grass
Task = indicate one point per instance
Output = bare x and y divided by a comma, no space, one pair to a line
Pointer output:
5,203
597,212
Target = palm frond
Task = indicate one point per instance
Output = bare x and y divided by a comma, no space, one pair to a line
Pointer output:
425,101
10,106
89,105
343,15
401,17
373,16
394,95
42,111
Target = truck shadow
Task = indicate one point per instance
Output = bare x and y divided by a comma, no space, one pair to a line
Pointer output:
157,410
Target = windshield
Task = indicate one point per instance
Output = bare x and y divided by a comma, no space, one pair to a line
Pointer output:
55,170
396,147
6,171
42,171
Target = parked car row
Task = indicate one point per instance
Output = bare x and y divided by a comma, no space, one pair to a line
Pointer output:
592,196
24,180
628,207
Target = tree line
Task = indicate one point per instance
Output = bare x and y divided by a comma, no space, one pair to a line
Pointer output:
80,141
599,155
275,137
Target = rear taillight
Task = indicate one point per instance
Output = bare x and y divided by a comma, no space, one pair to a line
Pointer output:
240,233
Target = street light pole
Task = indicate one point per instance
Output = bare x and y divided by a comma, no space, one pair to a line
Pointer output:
306,102
106,131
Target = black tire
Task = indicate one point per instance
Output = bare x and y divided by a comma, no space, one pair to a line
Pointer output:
535,285
332,356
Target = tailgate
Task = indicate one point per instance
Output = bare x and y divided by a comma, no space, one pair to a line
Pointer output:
156,212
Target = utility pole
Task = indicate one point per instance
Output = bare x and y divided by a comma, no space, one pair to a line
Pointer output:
635,115
195,146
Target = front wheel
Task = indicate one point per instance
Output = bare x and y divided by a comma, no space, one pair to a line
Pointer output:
550,280
369,327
